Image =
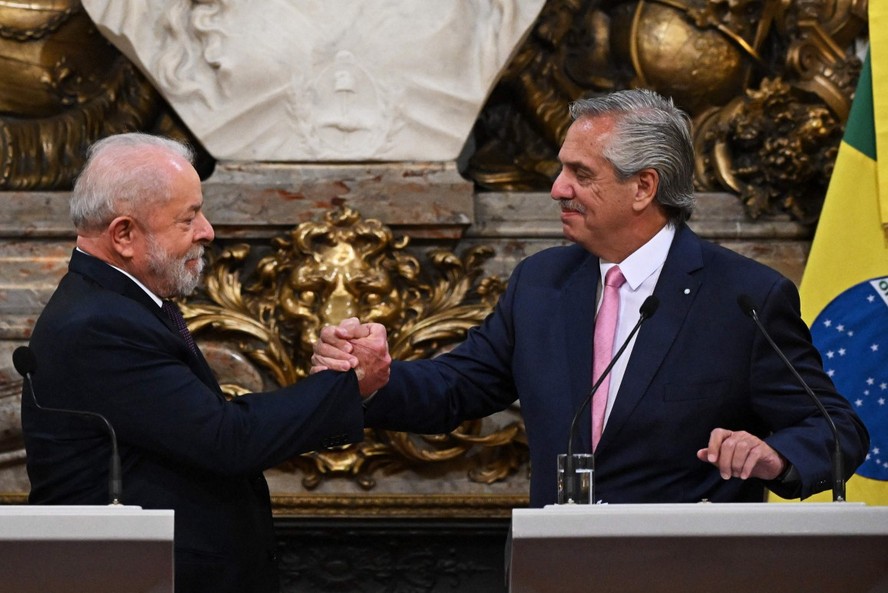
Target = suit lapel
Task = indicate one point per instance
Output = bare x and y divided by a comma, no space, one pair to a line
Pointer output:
578,310
676,288
112,279
197,362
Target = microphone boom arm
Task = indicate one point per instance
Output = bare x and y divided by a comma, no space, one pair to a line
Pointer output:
24,362
838,489
647,309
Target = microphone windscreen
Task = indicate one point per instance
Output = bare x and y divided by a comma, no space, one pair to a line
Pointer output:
745,302
23,360
649,306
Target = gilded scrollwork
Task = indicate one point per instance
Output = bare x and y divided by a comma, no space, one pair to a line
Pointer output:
62,87
748,71
323,272
770,149
717,58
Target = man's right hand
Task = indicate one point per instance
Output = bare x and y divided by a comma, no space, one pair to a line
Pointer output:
352,344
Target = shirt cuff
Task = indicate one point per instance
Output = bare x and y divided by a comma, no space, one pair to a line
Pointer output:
368,399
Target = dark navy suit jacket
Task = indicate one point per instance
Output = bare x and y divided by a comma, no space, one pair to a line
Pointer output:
699,363
102,345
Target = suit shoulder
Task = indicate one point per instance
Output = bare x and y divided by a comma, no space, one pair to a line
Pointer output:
555,262
78,303
738,264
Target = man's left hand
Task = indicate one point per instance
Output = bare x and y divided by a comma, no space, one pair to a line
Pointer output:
741,455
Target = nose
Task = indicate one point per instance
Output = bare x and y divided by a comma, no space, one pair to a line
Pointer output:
561,188
205,232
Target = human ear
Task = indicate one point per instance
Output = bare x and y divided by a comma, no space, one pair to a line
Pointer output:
648,180
122,231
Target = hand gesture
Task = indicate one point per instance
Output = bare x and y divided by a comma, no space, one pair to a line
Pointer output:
741,455
355,345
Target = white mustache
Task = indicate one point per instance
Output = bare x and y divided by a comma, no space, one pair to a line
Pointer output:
196,252
571,206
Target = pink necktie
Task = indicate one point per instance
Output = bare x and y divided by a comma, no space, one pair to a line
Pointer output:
605,331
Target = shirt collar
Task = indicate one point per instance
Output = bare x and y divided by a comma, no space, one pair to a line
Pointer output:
153,296
644,261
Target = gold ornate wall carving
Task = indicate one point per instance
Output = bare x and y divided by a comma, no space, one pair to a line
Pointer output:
257,329
768,83
62,87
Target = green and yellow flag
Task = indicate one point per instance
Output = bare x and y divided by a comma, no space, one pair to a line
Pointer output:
844,289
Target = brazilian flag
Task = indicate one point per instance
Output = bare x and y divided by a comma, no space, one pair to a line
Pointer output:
844,288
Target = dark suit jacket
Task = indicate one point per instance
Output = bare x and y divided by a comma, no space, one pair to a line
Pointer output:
103,345
699,363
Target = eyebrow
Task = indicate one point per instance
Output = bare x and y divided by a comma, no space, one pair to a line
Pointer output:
192,209
576,165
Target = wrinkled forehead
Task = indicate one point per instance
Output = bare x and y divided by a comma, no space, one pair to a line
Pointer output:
588,137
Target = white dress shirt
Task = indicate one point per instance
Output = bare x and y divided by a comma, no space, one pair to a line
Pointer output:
641,270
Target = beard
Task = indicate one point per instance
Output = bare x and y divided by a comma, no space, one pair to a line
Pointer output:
176,278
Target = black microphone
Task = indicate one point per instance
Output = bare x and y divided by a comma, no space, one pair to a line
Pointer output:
571,483
25,363
838,490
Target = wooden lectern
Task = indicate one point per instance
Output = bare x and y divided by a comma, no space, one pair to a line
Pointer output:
700,548
94,549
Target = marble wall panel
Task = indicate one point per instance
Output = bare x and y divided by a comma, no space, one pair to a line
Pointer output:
253,200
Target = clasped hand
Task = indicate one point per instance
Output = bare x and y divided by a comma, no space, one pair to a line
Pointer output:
355,345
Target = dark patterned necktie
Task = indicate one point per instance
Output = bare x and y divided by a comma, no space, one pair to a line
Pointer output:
172,310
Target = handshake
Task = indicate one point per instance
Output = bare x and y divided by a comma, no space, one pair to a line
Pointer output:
355,345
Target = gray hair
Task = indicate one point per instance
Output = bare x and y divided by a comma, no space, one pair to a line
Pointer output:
118,180
651,133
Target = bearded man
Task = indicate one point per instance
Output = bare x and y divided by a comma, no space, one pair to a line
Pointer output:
111,342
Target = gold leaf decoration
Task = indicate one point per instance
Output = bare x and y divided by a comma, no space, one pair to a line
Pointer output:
323,272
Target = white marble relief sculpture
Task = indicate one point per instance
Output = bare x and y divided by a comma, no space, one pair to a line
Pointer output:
321,80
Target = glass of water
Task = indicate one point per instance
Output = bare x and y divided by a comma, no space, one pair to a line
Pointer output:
576,487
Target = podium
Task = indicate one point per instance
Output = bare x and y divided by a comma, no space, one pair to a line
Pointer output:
80,549
697,548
